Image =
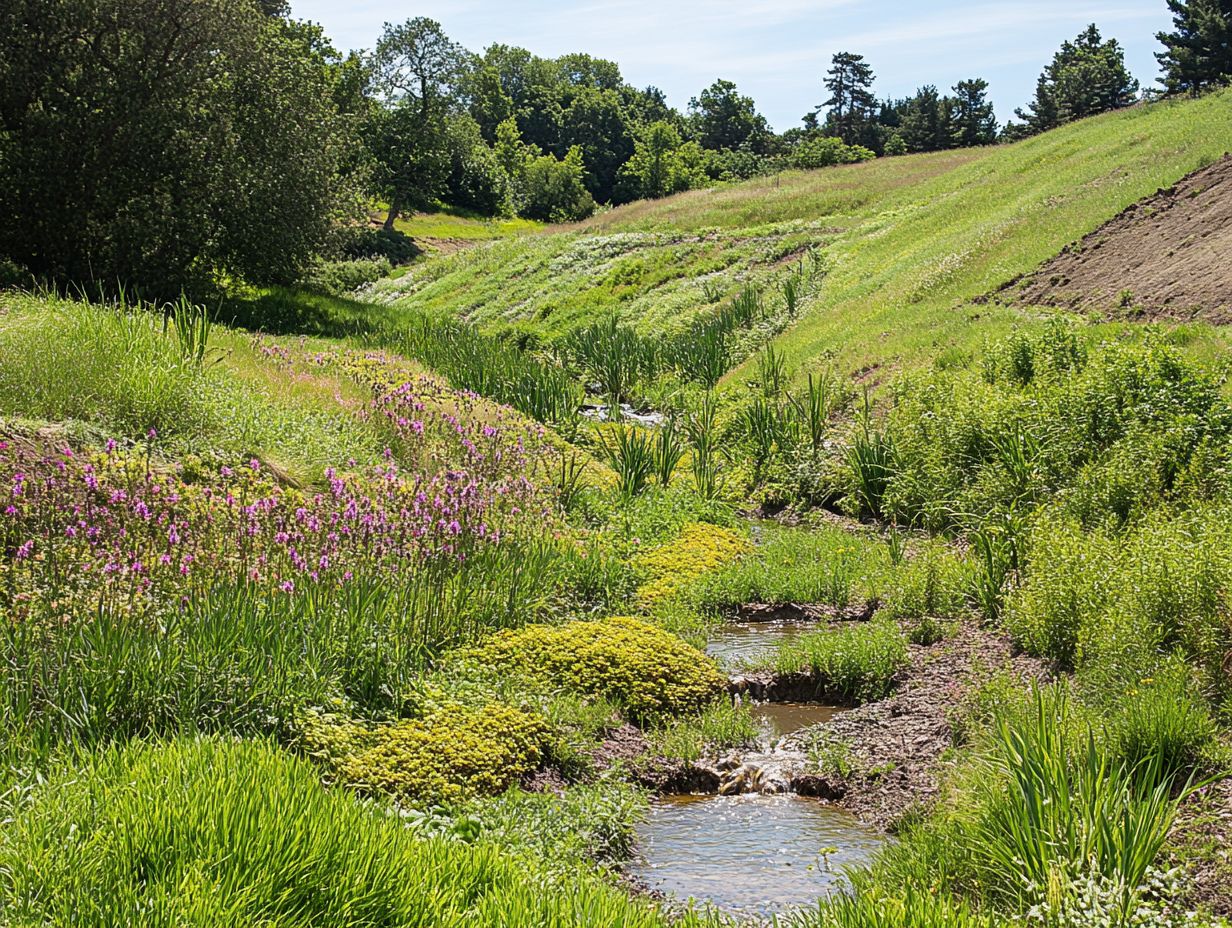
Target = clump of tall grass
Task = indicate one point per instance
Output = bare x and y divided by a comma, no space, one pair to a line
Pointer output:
615,356
722,724
632,453
213,832
700,424
1050,804
471,360
111,365
856,663
822,565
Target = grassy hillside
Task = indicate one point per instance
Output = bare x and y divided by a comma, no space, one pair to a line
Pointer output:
906,243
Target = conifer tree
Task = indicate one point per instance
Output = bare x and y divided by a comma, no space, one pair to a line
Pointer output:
973,120
1198,52
1085,77
851,100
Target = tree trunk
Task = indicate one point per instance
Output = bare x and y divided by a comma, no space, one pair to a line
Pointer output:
394,209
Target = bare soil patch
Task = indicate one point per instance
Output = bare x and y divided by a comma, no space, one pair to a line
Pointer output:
897,744
1168,256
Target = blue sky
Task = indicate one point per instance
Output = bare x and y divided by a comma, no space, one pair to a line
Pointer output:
778,50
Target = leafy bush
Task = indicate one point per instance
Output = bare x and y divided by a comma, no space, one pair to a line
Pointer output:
211,832
335,278
394,246
451,754
857,663
823,151
699,549
646,670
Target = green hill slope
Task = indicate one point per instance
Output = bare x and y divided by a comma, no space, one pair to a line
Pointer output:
906,244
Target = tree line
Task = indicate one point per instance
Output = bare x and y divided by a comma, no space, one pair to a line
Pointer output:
177,143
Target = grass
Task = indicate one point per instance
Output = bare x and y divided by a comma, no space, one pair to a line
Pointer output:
857,663
222,832
817,565
907,243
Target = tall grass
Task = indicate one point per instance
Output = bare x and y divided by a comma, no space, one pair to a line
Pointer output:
245,658
856,663
614,356
471,360
1052,805
633,455
111,365
210,833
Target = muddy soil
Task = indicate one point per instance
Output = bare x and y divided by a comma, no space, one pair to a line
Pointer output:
896,744
1165,257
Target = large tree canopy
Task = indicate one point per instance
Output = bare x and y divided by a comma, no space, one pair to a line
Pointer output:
160,142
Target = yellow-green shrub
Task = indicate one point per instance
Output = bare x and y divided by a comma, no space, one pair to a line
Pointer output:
698,549
453,753
641,667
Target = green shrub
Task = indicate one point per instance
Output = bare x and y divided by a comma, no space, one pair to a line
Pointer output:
646,670
201,834
453,753
334,278
857,663
932,584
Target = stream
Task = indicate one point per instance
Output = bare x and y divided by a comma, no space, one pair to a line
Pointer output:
757,849
750,855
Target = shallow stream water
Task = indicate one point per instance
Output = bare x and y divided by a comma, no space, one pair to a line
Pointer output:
737,643
750,855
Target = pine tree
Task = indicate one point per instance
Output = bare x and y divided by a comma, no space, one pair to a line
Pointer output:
1198,53
851,101
924,124
1085,77
973,120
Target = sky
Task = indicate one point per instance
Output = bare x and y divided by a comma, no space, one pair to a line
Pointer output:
777,51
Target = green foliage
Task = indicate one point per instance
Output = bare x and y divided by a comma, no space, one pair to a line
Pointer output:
646,670
720,725
631,453
1109,430
932,584
888,907
1164,718
1111,603
451,754
214,832
1048,806
553,190
614,356
1086,76
857,663
334,278
673,568
1197,52
816,565
114,366
472,360
824,151
207,140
